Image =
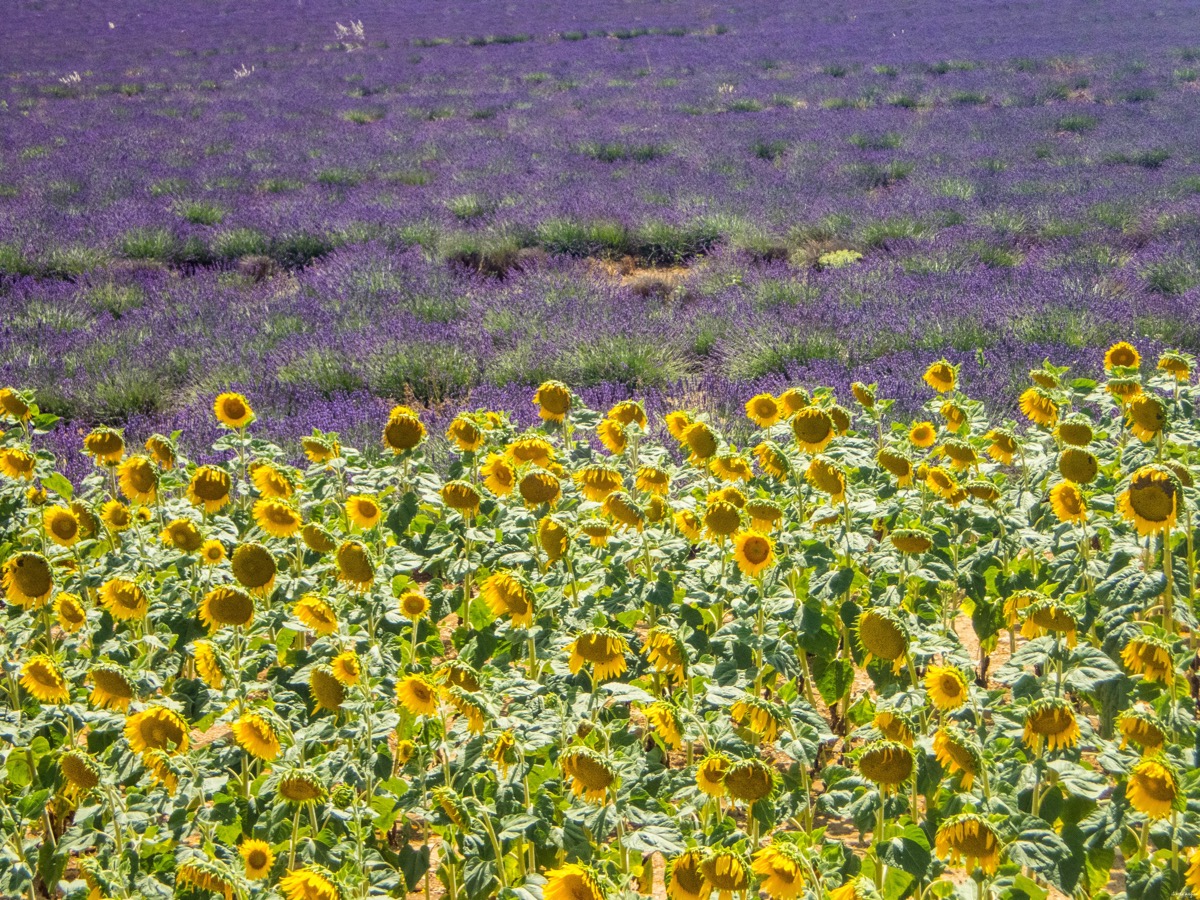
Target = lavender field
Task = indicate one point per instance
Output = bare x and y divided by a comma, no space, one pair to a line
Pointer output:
332,206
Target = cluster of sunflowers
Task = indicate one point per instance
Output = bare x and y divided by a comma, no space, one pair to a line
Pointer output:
852,657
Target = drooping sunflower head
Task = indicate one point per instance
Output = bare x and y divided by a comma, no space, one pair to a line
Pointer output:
539,487
960,453
783,870
1146,417
764,514
942,376
209,666
731,467
813,429
629,412
763,410
894,726
157,728
1149,657
793,400
532,449
955,416
1078,466
466,433
1039,407
183,535
17,464
957,754
28,580
205,874
403,431
452,807
684,880
947,687
828,477
572,882
612,436
111,687
1153,788
758,718
316,614
162,450
1004,446
105,445
1075,430
864,394
749,780
721,518
1045,378
461,496
506,595
310,883
1051,722
887,763
898,465
503,751
321,448
553,400
1142,727
15,405
598,481
325,688
664,719
1068,503
354,565
590,774
553,537
666,652
710,774
459,674
256,735
773,460
982,489
969,839
80,772
499,477
1121,356
209,488
1151,501
1124,389
624,511
418,694
840,416
300,785
1177,365
317,538
138,478
272,481
701,441
69,612
601,648
882,635
41,676
726,871
1049,616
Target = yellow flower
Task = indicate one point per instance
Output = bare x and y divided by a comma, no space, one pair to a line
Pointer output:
212,552
772,459
1149,657
1039,407
664,718
116,516
300,786
138,479
254,568
923,435
597,482
461,496
317,538
256,736
763,410
498,475
941,376
363,511
532,449
1193,871
104,444
326,689
468,706
604,649
947,687
354,566
465,433
14,405
894,726
750,780
666,652
233,410
17,464
272,481
701,442
782,870
622,509
208,664
764,514
553,400
1146,417
684,879
183,535
503,751
813,429
1179,367
257,858
1045,616
710,774
1142,728
157,728
1150,501
69,612
864,394
41,676
677,423
754,552
505,595
629,412
913,541
162,450
653,480
1003,447
572,882
969,839
957,754
955,415
414,605
726,872
722,518
757,716
689,524
418,695
81,772
277,518
1153,788
961,454
309,883
612,436
209,488
205,875
589,773
828,477
1121,355
1075,430
539,487
898,465
403,431
28,580
731,467
1068,503
1051,722
881,634
553,537
1124,389
61,525
123,599
1078,465
346,668
110,687
320,448
887,763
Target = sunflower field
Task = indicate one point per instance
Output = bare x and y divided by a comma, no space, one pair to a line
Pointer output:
855,658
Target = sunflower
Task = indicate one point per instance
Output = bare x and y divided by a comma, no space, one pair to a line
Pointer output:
1049,616
731,467
326,689
701,441
539,487
346,668
506,595
941,376
840,416
1153,788
69,612
14,405
828,477
310,883
572,882
898,465
813,429
754,552
317,538
923,435
589,773
80,771
364,511
1044,377
1078,466
1149,657
1039,407
749,780
677,423
205,875
320,448
1151,500
947,687
666,652
1178,366
772,460
503,752
1124,389
272,481
1121,355
957,754
452,807
257,858
1141,727
553,537
414,605
1051,722
233,410
553,400
209,488
183,535
982,489
1075,430
28,580
116,516
300,786
212,552
864,394
793,400
1146,417
1068,504
254,568
882,635
689,524
763,410
162,770
276,517
138,479
162,451
208,664
764,514
457,673
105,445
256,736
961,454
17,464
604,649
157,728
710,774
404,751
498,475
782,870
1192,878
612,436
354,566
955,415
894,726
110,687
403,431
465,433
664,718
43,679
532,449
61,525
124,599
1003,447
722,518
418,695
684,880
969,838
757,716
598,481
629,412
726,872
887,763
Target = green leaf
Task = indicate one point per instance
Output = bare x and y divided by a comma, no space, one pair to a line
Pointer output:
1088,667
908,851
19,773
1044,852
59,485
656,839
833,678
